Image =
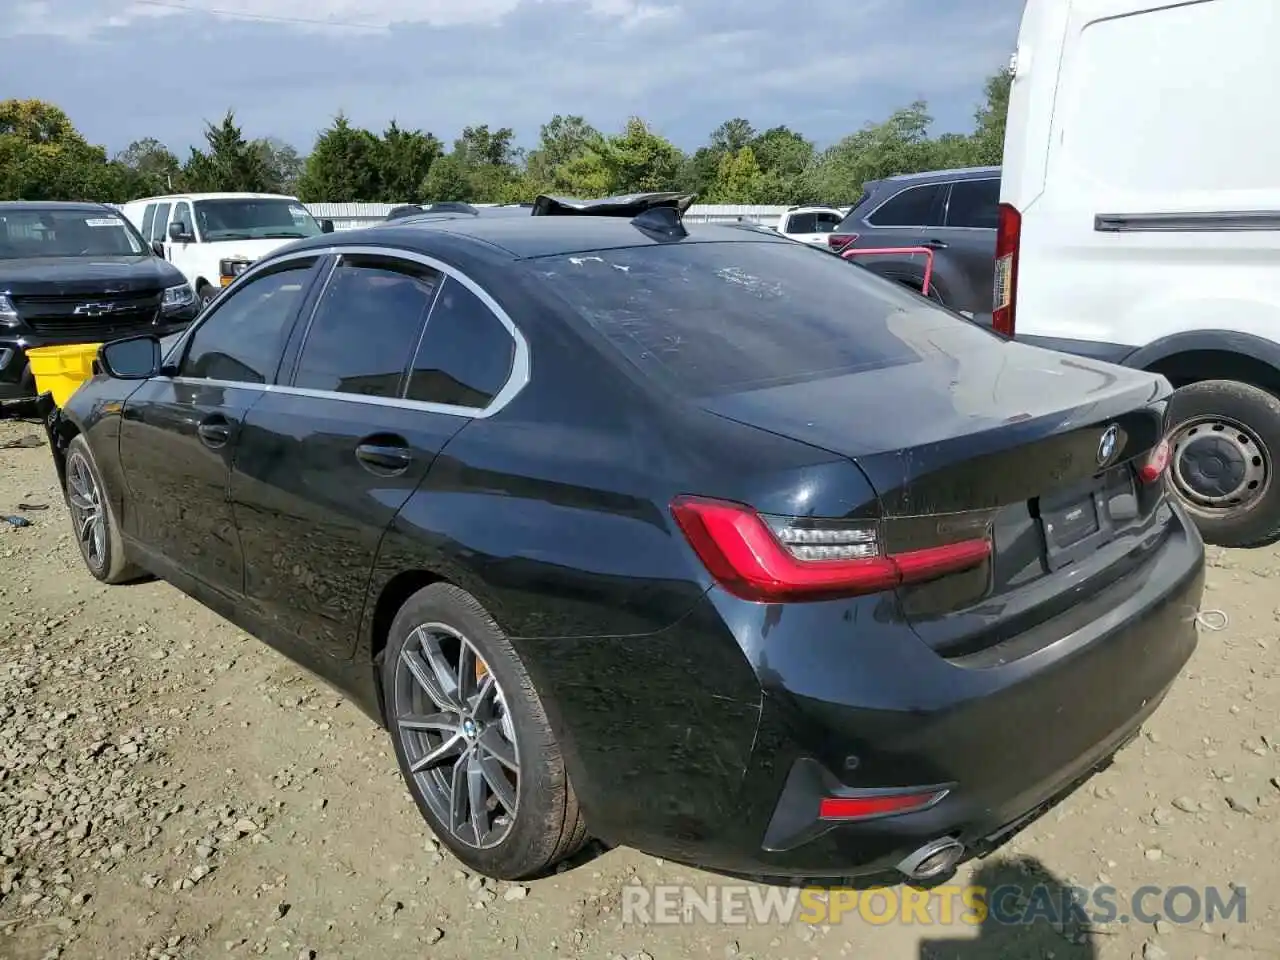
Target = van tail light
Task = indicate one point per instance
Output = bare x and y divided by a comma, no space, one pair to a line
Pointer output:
1156,464
838,241
778,559
1008,241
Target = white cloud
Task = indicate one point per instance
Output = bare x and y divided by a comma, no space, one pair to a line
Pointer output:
88,18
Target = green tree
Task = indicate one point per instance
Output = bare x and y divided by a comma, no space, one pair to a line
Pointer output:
406,160
150,168
988,136
566,157
739,179
229,163
344,165
638,160
448,179
283,164
44,157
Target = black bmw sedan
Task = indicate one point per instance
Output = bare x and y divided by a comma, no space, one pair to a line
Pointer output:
692,538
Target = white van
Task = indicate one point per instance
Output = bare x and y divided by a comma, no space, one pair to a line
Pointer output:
1140,223
213,237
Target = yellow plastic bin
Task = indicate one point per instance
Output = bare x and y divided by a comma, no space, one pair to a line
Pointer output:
60,370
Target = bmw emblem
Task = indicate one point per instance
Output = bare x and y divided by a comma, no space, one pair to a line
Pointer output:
1107,444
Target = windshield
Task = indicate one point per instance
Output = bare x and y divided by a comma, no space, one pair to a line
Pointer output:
714,318
51,232
250,219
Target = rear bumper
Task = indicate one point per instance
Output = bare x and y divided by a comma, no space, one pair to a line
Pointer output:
849,701
16,382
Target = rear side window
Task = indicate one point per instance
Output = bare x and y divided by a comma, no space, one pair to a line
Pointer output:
366,327
913,207
711,318
974,203
148,217
466,353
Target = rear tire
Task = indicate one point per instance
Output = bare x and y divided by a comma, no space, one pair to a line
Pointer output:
1224,438
93,521
443,634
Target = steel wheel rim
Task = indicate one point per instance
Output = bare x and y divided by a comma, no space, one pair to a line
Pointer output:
1242,442
456,731
87,516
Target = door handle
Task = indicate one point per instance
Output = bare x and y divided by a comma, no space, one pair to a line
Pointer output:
384,459
933,244
214,432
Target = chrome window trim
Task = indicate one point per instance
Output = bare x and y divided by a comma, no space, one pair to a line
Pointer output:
517,379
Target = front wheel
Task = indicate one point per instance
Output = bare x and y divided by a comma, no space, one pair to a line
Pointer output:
1223,443
473,741
206,293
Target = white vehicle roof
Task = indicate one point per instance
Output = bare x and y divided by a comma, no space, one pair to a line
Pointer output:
215,196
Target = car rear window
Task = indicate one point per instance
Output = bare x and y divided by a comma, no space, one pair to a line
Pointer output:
714,318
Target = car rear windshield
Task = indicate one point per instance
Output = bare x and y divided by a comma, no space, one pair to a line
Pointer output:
714,318
54,232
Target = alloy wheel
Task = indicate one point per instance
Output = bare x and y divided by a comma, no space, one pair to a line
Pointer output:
1219,465
457,734
87,511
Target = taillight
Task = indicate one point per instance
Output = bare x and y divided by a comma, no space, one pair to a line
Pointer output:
838,241
775,559
1156,464
876,805
1008,239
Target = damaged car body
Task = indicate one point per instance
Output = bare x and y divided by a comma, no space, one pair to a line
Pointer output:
690,538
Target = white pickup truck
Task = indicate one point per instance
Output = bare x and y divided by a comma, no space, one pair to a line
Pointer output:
213,237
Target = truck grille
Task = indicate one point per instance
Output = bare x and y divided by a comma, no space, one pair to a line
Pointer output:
56,316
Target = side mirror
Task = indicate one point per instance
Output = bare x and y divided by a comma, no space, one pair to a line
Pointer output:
178,233
157,247
326,226
133,358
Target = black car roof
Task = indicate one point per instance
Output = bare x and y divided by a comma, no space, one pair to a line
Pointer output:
17,205
522,237
943,176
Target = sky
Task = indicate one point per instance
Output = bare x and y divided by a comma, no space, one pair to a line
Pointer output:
128,69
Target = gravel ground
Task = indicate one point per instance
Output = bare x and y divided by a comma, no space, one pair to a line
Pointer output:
170,788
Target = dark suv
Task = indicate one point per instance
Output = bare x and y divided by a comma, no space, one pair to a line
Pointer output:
78,273
952,212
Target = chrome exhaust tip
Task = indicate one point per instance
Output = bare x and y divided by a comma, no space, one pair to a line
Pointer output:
935,859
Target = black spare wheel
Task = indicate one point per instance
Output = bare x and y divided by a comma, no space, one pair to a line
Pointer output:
1224,436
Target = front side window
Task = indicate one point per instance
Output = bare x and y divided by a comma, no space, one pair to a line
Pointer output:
913,207
182,217
243,340
54,232
254,219
466,353
366,326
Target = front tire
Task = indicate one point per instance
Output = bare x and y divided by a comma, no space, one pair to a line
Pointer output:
1223,443
93,522
473,741
206,293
